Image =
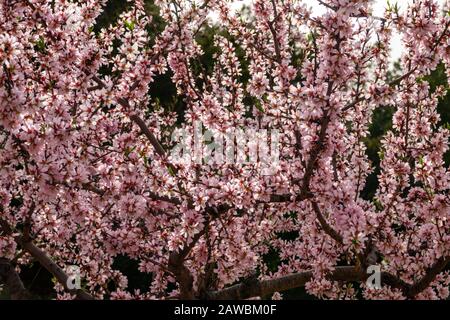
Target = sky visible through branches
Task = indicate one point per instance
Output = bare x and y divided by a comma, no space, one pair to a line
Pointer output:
379,7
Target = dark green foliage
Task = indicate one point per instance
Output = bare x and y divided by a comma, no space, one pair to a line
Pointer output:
382,123
111,13
136,279
439,78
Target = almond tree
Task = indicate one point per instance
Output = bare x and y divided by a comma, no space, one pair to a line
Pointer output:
87,174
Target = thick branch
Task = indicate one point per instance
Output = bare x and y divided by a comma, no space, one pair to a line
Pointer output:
54,269
45,261
150,136
429,277
182,274
324,224
263,288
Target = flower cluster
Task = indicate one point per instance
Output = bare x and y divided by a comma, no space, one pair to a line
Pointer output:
85,172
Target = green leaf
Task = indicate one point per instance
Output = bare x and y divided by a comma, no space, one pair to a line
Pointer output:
378,204
429,191
421,161
130,25
171,171
259,106
43,128
392,8
396,8
156,104
128,151
40,45
52,84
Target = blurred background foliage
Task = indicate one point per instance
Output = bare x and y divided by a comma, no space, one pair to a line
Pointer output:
164,94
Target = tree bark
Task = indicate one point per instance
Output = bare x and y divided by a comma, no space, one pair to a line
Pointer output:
54,269
260,288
